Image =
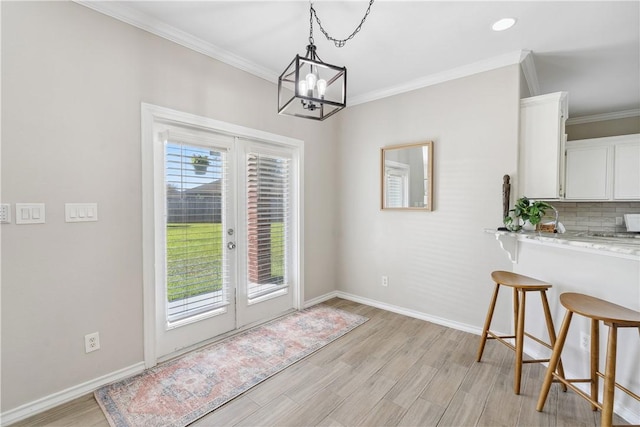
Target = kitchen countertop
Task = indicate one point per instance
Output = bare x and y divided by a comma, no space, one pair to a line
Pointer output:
626,247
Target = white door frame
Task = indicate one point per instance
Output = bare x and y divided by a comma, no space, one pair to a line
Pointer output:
151,114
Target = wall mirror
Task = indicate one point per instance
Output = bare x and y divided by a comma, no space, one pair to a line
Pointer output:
407,176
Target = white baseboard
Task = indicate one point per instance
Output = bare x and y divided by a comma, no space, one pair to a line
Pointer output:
411,313
32,408
321,298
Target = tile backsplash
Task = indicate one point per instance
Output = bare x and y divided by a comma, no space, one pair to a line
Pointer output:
594,216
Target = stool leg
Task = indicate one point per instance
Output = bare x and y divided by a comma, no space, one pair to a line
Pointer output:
487,322
516,306
551,332
609,378
553,363
595,360
519,344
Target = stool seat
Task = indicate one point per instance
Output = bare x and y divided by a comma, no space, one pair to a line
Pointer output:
521,285
515,280
613,315
598,309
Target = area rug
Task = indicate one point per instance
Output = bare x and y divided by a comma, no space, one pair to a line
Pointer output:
182,390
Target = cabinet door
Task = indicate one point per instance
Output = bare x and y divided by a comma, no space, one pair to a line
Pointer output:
626,179
542,138
587,172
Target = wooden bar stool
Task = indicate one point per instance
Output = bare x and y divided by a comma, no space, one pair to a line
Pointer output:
614,316
521,285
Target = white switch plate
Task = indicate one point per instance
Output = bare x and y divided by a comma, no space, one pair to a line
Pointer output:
5,213
30,213
80,212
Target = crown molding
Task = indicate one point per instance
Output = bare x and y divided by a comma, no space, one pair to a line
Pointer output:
605,116
433,79
529,71
124,13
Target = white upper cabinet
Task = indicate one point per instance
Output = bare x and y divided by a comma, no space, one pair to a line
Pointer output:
626,168
541,145
587,171
603,168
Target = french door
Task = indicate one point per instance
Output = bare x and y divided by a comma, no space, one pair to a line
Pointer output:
225,212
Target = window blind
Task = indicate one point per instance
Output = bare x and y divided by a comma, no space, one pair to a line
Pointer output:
195,179
268,222
394,191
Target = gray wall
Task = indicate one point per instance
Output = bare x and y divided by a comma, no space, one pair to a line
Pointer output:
72,83
437,262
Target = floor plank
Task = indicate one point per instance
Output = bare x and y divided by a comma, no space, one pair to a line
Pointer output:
391,371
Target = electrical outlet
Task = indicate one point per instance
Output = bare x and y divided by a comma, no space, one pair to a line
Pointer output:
91,342
618,220
385,281
584,341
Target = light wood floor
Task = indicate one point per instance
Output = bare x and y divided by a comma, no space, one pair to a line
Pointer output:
391,371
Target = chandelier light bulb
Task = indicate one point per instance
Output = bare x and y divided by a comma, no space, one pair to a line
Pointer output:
302,87
322,87
311,81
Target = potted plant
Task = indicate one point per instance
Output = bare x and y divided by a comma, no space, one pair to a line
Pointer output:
200,163
527,214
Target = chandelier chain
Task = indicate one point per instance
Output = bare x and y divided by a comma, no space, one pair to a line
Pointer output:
337,42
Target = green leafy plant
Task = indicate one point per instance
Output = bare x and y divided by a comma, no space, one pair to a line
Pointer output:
198,159
527,210
200,163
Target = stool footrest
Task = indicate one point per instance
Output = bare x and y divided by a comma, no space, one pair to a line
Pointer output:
494,336
536,360
626,390
538,340
569,383
500,339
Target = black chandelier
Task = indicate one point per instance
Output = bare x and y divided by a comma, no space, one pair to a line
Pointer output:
311,88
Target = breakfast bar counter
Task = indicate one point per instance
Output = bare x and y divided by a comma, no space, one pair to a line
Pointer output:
602,266
610,244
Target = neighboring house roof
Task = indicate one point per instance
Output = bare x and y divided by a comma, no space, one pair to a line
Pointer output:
210,188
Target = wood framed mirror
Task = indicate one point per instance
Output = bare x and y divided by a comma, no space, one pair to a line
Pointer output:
407,177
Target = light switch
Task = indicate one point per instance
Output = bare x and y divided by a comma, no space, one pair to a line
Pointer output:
80,212
30,213
5,213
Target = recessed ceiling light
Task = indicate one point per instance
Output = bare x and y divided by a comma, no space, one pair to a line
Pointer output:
503,24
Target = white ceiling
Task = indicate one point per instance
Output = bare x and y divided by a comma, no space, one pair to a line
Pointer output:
589,48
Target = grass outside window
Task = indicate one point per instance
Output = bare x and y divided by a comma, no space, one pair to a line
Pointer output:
194,258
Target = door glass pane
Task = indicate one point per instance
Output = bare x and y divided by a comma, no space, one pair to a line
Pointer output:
268,222
195,205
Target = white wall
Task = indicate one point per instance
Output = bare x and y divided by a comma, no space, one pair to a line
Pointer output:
72,83
439,262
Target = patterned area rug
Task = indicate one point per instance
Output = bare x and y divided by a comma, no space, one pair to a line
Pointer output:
180,391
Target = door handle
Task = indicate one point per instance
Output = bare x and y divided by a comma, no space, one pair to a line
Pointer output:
231,245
